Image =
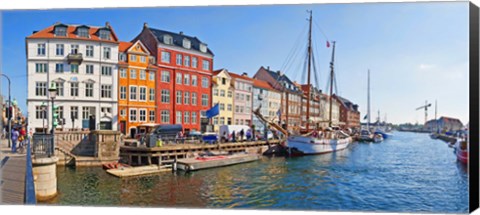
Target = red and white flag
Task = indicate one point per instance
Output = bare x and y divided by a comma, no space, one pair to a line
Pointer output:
328,44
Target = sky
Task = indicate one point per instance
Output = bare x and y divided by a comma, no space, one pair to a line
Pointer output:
414,51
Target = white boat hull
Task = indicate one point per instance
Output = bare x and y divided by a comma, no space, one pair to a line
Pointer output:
311,145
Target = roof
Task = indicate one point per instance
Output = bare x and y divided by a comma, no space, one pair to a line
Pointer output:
450,119
346,103
124,46
48,33
178,39
263,84
233,75
282,78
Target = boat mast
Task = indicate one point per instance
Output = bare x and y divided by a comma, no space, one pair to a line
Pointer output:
331,84
368,101
309,66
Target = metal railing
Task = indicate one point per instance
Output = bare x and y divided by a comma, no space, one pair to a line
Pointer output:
43,145
30,195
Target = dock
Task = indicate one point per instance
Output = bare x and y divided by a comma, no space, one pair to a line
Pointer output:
199,163
12,182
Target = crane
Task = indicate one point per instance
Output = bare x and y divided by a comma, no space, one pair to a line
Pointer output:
426,106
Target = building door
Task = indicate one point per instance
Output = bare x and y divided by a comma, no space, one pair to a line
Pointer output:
123,125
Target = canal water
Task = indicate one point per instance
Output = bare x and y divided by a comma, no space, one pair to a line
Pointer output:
408,173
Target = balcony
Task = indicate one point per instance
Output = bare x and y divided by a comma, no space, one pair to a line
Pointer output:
75,58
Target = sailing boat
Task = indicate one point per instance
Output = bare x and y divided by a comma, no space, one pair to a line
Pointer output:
365,134
317,142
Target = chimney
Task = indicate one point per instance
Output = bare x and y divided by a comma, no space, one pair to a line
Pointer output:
181,33
268,67
245,74
107,24
34,32
145,25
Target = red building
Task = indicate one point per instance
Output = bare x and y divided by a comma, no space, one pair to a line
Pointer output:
184,77
349,114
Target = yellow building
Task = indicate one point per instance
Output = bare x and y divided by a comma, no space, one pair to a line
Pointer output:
222,93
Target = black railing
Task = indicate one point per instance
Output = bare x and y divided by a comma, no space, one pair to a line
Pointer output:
43,145
30,195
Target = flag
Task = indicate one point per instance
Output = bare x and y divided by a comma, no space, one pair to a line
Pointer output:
215,110
328,44
365,117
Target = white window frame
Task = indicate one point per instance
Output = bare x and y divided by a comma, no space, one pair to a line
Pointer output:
143,74
165,76
151,76
130,115
140,94
140,110
133,94
123,73
123,92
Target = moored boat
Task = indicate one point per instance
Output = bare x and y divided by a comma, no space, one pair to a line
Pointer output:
461,151
365,136
214,160
377,138
310,145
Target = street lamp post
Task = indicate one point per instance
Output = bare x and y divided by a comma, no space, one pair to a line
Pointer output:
9,117
44,115
52,91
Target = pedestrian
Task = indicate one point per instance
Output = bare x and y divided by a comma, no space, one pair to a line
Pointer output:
241,135
23,135
14,137
249,135
233,136
225,137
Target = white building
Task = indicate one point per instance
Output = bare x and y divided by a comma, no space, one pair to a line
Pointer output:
269,99
82,61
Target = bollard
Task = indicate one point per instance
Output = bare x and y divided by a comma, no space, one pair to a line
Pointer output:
174,165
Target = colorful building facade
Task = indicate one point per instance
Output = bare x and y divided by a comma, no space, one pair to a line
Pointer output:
222,93
242,102
185,69
268,100
136,87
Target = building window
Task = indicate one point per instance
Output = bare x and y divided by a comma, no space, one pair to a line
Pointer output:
133,58
74,68
203,47
194,98
179,59
133,93
222,93
186,79
194,80
204,99
73,112
41,49
229,107
186,118
89,52
82,32
186,43
60,50
179,98
122,57
133,115
151,115
194,117
215,120
40,88
151,76
107,70
152,94
205,82
143,115
40,113
215,92
87,111
106,52
178,78
178,119
41,68
166,76
106,91
186,98
73,49
248,98
59,86
123,92
123,113
143,59
167,39
60,31
206,65
224,81
143,74
89,90
143,93
165,57
186,61
133,73
89,69
104,34
229,94
74,89
123,73
194,62
222,120
222,106
59,68
165,116
165,96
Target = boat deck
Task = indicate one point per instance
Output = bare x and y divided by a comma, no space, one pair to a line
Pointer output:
192,164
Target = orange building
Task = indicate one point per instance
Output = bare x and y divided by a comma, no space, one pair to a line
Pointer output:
136,87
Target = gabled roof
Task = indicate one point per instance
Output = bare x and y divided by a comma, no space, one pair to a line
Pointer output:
124,46
346,103
282,78
263,84
244,77
218,71
49,33
178,39
129,46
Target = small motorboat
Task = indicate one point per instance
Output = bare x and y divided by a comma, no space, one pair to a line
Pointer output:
365,136
377,138
114,165
461,151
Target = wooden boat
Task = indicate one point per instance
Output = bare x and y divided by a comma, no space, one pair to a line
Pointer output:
461,151
212,161
114,165
137,171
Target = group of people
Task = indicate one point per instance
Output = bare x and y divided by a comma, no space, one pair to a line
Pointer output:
17,136
238,136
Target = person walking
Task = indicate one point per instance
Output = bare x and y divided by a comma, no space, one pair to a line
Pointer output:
14,137
241,135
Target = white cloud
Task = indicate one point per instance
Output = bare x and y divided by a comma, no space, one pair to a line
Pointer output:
424,66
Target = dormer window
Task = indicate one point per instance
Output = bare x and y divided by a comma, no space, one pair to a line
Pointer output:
203,47
61,31
104,34
82,32
123,57
167,39
186,43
